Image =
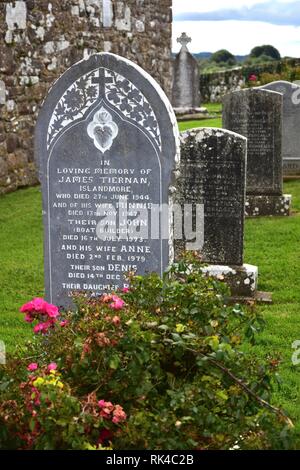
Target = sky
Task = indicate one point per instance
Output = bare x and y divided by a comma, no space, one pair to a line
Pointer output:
238,25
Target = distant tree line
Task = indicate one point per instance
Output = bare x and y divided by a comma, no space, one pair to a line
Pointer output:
223,59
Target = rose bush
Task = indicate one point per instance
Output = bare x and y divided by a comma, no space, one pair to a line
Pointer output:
157,366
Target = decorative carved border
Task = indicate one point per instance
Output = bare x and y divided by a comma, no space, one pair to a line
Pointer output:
119,92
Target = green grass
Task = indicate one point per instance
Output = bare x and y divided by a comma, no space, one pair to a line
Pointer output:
21,255
183,126
270,243
214,109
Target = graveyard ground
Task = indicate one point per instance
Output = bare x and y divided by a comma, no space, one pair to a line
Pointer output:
272,244
215,111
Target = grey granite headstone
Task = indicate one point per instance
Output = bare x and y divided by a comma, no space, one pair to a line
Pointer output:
257,114
213,174
186,77
291,125
106,142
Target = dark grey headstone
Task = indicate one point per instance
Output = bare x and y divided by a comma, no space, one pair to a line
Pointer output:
257,115
106,135
291,125
213,173
186,77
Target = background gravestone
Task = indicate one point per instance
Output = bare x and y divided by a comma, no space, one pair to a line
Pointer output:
213,173
105,139
186,77
257,114
291,125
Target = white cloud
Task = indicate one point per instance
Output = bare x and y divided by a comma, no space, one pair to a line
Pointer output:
183,6
239,37
270,11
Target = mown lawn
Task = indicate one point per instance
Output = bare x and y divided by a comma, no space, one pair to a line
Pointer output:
214,110
21,257
217,122
270,243
273,245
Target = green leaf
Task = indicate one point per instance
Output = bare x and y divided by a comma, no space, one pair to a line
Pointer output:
163,327
114,362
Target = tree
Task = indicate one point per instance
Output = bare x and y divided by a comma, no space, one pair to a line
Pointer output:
223,56
266,50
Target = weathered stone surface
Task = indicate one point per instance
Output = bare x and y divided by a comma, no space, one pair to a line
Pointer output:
242,280
40,38
106,140
186,77
268,205
3,167
2,92
257,114
12,143
214,86
212,173
191,114
291,125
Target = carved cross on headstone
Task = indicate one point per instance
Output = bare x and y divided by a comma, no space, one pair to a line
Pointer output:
99,80
184,39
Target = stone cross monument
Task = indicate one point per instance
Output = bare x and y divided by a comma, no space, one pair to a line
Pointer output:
185,77
184,40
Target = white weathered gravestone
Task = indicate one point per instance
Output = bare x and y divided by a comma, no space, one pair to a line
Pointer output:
106,142
186,78
290,125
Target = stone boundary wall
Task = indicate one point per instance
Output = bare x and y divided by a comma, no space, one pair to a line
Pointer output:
40,39
214,86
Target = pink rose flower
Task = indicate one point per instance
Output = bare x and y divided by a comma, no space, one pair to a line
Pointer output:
39,328
52,311
119,415
33,366
116,320
39,305
27,307
117,303
28,318
106,408
52,366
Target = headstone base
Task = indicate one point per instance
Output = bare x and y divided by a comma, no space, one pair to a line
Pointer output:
191,114
259,297
263,206
242,280
291,167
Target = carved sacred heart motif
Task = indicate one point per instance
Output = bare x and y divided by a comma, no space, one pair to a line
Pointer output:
103,130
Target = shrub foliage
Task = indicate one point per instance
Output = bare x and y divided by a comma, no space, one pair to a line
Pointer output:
158,366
